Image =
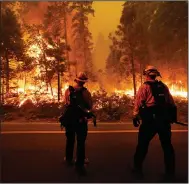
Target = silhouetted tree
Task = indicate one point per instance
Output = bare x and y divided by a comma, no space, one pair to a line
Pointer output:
81,34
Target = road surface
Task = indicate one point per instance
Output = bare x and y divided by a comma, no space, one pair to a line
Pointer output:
33,152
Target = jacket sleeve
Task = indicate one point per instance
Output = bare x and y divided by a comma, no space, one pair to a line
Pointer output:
140,96
66,97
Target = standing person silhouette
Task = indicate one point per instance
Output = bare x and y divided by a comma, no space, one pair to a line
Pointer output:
78,124
152,104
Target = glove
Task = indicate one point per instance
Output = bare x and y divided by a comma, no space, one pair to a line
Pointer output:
136,121
94,121
171,122
61,127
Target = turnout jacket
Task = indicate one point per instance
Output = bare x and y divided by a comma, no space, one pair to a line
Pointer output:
145,94
86,97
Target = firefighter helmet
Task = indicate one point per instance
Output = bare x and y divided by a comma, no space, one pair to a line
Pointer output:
82,77
151,70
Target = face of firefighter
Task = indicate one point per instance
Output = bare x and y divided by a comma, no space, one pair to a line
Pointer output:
79,83
150,77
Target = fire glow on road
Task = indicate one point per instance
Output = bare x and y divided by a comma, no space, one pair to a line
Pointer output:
90,131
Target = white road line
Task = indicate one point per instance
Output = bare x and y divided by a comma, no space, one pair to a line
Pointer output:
56,123
90,131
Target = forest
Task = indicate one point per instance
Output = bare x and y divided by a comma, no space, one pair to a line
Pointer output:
42,52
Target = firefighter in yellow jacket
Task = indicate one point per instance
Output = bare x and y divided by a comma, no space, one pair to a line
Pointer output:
152,104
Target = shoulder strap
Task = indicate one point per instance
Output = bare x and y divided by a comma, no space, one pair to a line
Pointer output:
153,86
158,91
83,89
71,89
76,96
151,83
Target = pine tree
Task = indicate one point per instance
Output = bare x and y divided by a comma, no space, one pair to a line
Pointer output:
56,37
12,46
81,35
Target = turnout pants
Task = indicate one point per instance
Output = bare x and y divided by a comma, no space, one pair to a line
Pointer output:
147,131
78,131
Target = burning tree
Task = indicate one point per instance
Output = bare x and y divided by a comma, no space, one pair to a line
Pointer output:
12,46
42,49
57,39
36,58
82,36
150,38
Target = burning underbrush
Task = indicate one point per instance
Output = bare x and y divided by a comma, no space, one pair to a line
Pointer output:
107,106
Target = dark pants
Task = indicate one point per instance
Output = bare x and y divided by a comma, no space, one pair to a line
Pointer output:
147,131
79,130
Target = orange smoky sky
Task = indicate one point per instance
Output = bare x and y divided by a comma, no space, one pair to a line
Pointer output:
106,18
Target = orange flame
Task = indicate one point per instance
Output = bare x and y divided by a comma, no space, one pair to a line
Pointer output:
32,92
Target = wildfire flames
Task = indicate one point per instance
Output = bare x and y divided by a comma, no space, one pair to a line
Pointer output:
41,96
175,91
40,93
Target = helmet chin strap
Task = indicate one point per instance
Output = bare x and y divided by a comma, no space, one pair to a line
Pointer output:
159,74
149,71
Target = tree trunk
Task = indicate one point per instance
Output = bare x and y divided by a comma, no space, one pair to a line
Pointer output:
7,71
46,77
1,82
3,90
46,80
66,38
1,86
76,68
133,74
24,82
58,72
141,73
0,58
51,88
84,52
17,85
47,86
84,41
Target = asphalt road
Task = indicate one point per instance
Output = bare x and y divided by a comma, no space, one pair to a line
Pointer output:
33,152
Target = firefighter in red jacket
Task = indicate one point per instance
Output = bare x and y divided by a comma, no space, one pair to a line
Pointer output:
151,105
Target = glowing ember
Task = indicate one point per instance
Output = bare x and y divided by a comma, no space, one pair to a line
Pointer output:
124,92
